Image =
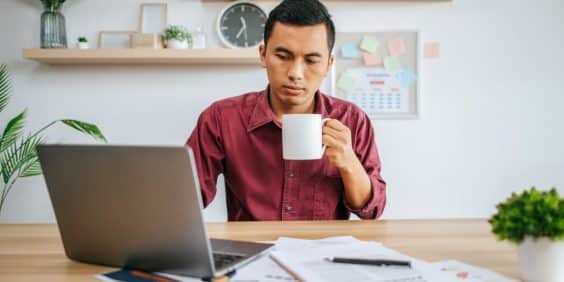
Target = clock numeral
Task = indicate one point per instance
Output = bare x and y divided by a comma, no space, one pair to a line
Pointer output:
224,28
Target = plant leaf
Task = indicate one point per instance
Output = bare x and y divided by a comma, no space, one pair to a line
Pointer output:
33,168
4,87
12,131
86,128
18,155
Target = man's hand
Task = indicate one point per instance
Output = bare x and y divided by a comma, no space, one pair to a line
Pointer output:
337,138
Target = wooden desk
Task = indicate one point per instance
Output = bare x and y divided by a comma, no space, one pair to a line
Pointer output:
35,252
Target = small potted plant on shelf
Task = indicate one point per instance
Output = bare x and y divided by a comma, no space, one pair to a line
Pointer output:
177,37
82,42
535,221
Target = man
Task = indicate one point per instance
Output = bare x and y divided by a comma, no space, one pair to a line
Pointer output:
241,136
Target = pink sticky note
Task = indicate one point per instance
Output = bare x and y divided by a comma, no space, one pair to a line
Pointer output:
396,46
432,50
372,59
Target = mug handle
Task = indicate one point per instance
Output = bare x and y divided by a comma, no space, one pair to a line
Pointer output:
323,121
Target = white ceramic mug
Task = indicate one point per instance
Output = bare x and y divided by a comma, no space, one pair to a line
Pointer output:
302,136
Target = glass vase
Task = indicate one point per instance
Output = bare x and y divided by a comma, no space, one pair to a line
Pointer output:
53,30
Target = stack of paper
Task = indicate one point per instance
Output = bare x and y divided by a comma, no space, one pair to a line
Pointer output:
306,261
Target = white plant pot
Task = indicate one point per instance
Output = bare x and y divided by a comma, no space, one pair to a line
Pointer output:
541,260
176,44
82,45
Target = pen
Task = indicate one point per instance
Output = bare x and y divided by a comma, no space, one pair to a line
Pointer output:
380,262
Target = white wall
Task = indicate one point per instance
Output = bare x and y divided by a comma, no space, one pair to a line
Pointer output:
491,118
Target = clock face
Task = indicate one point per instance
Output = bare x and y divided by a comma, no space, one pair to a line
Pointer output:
242,25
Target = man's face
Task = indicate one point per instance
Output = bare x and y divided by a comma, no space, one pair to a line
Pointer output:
296,60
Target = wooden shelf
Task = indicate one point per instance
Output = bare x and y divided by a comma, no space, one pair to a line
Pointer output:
144,56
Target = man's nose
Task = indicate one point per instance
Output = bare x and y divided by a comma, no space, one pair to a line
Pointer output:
296,71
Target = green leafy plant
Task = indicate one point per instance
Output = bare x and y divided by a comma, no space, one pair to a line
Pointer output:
82,39
52,4
532,213
18,155
177,32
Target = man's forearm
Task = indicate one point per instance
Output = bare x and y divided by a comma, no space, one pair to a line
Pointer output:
358,190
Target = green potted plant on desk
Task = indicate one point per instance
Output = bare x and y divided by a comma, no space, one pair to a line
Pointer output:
177,37
18,155
535,221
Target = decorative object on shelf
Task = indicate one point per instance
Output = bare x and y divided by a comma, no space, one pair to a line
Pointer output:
147,40
53,29
82,43
241,25
199,38
18,152
177,37
115,39
153,18
535,221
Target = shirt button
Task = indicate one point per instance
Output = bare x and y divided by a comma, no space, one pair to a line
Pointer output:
288,208
291,174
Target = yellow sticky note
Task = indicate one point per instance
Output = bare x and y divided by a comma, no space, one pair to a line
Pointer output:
345,83
369,44
392,63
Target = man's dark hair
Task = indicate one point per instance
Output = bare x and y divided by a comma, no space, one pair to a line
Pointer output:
301,13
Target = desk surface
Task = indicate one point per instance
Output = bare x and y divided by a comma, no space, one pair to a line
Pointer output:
35,252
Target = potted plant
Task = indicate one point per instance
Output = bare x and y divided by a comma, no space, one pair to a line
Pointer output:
82,42
535,221
177,37
18,155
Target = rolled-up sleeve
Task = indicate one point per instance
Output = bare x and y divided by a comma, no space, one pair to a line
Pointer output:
207,145
365,147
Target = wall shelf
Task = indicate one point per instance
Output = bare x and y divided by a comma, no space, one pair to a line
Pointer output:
133,56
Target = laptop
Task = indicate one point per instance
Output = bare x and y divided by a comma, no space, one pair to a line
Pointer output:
136,207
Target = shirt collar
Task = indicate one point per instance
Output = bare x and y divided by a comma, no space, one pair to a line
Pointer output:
262,113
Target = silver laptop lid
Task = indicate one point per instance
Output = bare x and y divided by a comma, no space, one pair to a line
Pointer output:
129,206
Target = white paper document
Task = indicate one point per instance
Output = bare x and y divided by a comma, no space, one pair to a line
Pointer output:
307,261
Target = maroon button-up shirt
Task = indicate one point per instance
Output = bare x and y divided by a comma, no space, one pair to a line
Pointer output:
239,137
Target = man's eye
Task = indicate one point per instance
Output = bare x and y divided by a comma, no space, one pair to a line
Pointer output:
312,62
282,57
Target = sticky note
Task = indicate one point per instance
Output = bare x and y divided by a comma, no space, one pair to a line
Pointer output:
432,50
392,63
369,44
396,46
345,83
349,51
372,59
406,77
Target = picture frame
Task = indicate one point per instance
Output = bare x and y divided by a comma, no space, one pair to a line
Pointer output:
153,18
115,39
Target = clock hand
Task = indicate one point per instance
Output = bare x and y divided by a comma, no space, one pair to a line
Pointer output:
240,31
243,22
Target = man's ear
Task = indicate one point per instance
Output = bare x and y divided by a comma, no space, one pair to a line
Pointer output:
262,54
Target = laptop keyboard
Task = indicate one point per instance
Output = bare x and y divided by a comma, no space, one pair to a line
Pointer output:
220,260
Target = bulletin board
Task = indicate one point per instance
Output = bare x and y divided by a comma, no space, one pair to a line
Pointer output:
379,72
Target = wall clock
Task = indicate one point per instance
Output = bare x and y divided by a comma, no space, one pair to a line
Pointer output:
241,25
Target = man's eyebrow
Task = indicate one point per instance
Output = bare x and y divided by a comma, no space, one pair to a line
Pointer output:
314,54
284,50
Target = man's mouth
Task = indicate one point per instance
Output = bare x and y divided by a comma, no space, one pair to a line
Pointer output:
294,90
